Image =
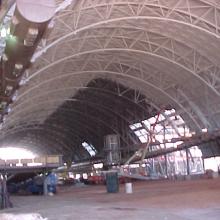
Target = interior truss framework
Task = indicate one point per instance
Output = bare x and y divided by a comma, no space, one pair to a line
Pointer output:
165,52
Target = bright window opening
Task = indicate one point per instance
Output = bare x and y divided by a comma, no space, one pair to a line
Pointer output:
212,163
163,126
162,130
11,153
91,150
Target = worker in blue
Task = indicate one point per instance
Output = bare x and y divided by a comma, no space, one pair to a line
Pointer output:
51,180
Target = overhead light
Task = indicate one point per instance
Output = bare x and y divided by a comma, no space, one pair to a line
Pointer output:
5,57
19,165
8,31
98,165
3,32
33,59
18,68
8,90
15,95
8,110
27,73
14,23
3,104
31,37
51,24
34,164
85,176
204,130
134,165
188,135
15,20
44,42
4,119
12,40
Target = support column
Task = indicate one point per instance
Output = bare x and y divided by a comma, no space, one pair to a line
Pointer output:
45,184
203,164
5,201
165,147
187,165
187,162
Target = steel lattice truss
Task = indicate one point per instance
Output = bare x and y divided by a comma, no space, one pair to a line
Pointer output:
165,52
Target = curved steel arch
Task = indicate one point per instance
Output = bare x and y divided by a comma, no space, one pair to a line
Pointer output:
31,126
107,21
95,119
79,88
104,108
42,142
104,23
190,67
166,7
182,98
92,117
84,87
47,139
210,87
207,84
67,128
19,140
57,137
125,50
149,84
65,141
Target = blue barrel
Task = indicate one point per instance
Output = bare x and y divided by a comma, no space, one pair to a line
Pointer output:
112,183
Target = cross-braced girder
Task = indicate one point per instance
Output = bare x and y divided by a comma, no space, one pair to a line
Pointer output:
167,52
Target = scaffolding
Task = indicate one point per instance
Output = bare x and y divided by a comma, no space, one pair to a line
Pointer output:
160,155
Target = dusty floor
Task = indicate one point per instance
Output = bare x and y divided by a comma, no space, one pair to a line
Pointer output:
160,200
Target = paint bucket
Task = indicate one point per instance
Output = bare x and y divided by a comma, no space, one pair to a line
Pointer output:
128,188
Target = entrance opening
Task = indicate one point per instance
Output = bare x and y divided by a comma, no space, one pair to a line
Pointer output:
11,153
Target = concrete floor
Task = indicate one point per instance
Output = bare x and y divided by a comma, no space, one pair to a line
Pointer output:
160,200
